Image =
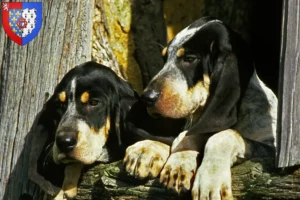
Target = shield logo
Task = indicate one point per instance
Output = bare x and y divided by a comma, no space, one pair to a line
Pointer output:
22,21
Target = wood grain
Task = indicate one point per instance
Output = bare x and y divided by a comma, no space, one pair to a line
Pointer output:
253,179
27,74
288,140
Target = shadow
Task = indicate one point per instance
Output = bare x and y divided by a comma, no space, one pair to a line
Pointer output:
148,32
125,187
32,181
259,28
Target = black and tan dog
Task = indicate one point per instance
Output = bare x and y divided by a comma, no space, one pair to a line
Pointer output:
93,115
209,79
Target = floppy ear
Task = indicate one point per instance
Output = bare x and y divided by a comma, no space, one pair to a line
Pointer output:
123,99
231,70
43,170
220,110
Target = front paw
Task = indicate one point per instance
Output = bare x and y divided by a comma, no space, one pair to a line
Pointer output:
179,171
212,182
145,159
69,187
67,194
60,196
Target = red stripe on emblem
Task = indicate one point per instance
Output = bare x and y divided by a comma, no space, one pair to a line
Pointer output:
5,21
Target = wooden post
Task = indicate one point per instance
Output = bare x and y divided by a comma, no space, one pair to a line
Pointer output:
288,140
27,74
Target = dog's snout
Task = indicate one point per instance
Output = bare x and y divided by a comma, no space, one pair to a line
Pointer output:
66,142
149,97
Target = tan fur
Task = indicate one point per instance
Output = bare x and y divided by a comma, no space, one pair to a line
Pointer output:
146,158
62,96
85,97
177,100
206,80
180,52
71,178
178,140
179,170
164,51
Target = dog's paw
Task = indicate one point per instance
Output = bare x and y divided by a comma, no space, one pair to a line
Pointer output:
145,159
60,196
212,182
66,194
179,171
70,193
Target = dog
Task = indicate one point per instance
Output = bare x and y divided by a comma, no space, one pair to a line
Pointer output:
92,116
209,79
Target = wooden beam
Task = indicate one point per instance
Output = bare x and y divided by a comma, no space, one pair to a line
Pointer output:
288,140
27,75
253,179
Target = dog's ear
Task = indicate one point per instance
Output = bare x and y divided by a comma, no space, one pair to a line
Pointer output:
220,110
124,98
42,169
49,119
230,69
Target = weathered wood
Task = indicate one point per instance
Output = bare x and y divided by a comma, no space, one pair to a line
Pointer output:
27,74
251,180
289,98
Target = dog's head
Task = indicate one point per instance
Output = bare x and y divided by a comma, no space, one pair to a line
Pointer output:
207,67
85,113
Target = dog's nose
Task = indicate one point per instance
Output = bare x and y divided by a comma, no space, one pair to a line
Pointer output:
66,143
149,97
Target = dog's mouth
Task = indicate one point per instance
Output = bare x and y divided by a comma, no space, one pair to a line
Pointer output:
153,113
66,158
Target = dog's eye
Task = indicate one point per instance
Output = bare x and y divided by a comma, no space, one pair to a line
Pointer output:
189,58
94,102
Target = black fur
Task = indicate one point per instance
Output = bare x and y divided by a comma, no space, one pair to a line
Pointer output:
115,98
221,53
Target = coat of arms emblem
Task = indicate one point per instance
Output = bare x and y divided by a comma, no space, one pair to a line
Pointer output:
22,20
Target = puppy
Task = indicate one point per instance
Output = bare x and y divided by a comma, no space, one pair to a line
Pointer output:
92,116
209,79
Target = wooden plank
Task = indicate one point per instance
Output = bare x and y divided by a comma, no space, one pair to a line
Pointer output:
27,74
288,141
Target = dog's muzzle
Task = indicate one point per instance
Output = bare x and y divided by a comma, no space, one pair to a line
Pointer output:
149,97
66,140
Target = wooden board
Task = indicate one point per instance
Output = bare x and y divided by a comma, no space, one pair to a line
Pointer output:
27,74
288,141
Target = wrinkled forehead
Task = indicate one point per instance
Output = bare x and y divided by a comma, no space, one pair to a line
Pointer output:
186,34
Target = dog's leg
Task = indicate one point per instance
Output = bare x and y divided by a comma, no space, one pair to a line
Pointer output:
180,168
213,178
69,187
146,158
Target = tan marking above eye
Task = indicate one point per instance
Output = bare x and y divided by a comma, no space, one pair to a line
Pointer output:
180,52
164,51
62,96
85,97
